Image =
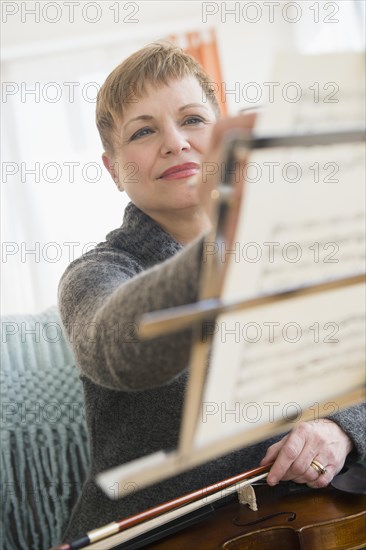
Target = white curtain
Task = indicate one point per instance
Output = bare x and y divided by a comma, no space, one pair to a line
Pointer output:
57,198
70,203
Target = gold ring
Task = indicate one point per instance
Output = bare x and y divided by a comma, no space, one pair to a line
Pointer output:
318,467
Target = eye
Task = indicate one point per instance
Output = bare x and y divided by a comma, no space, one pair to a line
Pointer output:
193,120
140,133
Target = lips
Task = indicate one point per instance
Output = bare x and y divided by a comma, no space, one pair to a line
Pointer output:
181,171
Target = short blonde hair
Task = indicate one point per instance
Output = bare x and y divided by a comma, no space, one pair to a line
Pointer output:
156,64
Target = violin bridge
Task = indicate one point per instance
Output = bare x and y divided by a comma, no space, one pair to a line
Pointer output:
247,495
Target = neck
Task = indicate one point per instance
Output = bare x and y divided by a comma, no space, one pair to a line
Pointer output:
183,225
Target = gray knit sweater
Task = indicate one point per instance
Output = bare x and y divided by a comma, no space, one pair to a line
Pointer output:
134,390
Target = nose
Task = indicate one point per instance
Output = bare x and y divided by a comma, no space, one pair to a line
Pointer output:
174,141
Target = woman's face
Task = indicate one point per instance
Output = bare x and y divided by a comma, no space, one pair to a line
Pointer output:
162,140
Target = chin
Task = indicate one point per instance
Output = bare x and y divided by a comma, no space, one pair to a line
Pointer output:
187,202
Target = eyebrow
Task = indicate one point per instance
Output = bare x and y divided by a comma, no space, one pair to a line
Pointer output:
192,105
149,117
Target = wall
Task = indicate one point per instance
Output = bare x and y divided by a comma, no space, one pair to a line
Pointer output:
46,223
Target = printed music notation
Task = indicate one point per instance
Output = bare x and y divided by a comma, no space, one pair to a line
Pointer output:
322,92
293,354
304,223
301,360
336,243
301,222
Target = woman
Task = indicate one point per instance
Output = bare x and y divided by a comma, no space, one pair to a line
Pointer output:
157,118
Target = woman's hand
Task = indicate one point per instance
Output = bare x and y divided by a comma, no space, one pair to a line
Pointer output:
323,441
213,171
213,165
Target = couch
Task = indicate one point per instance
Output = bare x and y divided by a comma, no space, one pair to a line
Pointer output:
44,457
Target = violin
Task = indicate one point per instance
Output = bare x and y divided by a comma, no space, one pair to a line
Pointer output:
287,517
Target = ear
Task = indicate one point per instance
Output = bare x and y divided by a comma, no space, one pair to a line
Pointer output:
112,168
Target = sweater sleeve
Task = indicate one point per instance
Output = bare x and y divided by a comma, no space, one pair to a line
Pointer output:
353,422
100,304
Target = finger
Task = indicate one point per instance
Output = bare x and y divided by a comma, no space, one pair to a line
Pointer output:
320,483
244,122
301,470
238,192
216,156
272,452
315,479
309,475
221,165
286,457
323,479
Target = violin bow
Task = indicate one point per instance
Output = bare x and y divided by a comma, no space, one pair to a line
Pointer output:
104,532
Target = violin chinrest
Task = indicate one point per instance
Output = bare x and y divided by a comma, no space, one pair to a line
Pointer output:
353,480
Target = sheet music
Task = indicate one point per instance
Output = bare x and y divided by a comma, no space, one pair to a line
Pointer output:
314,93
302,221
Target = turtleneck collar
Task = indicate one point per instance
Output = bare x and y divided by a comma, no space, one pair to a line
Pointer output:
141,236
